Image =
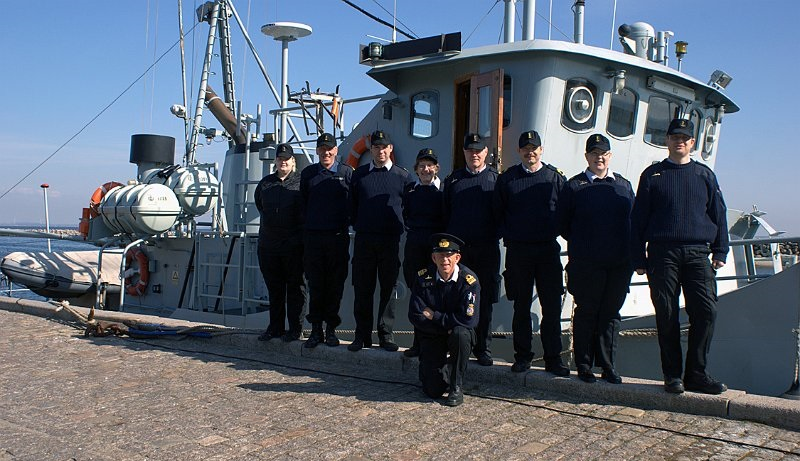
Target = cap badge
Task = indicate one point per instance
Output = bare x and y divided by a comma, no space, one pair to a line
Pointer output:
444,243
683,123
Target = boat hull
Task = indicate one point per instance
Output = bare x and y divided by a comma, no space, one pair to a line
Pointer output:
61,275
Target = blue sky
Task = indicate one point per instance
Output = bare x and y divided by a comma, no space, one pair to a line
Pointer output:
64,62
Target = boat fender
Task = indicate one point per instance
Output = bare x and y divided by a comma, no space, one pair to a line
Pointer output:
98,195
140,287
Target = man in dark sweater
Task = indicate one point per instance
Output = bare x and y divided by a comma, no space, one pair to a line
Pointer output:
325,192
525,203
679,213
442,310
468,214
594,216
422,213
377,196
280,249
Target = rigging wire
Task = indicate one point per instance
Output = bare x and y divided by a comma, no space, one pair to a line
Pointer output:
506,400
375,18
102,111
481,21
395,17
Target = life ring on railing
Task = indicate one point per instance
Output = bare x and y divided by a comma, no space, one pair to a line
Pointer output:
358,149
98,195
140,287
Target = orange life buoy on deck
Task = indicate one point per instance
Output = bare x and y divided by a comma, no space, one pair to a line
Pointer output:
98,195
140,287
361,146
357,151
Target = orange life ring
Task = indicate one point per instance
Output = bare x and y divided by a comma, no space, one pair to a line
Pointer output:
140,287
98,195
361,146
357,151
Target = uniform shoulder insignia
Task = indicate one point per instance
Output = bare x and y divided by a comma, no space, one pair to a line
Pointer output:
422,272
557,170
470,279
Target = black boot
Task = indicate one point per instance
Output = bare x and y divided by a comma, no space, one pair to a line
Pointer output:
316,336
455,397
330,336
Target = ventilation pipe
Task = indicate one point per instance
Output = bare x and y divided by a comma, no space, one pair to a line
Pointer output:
577,8
528,16
508,28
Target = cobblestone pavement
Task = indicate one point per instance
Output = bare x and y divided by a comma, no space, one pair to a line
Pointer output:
68,397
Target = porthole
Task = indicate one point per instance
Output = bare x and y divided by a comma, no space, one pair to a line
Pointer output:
580,102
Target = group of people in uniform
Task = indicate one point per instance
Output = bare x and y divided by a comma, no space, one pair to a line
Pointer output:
451,258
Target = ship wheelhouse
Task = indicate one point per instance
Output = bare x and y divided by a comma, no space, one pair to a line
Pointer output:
563,90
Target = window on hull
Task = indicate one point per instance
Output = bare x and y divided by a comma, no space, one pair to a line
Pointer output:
622,113
660,112
425,114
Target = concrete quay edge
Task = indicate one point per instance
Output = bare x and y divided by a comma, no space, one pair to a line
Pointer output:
634,392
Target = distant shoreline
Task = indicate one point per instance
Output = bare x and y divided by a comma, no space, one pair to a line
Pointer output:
53,230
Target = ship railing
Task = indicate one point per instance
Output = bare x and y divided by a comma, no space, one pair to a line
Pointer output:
748,263
215,290
7,287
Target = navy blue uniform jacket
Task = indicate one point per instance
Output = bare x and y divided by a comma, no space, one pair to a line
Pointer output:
453,303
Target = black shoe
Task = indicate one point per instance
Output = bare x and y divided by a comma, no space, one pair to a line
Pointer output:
290,336
706,385
358,344
673,385
586,376
330,337
389,346
611,376
455,397
557,368
411,352
485,359
265,336
521,365
269,334
315,338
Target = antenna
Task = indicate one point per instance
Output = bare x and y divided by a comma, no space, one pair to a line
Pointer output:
613,27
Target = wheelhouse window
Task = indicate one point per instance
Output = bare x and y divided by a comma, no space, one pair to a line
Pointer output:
659,113
622,113
506,101
580,103
425,114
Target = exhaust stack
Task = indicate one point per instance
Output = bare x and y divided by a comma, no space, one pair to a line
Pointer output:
528,17
508,22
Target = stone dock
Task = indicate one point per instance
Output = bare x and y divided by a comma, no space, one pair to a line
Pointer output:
70,397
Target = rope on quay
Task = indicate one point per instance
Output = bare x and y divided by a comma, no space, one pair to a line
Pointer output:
100,328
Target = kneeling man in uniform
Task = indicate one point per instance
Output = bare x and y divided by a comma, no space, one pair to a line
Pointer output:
443,309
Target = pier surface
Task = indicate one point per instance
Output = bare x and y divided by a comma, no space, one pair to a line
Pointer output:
66,396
